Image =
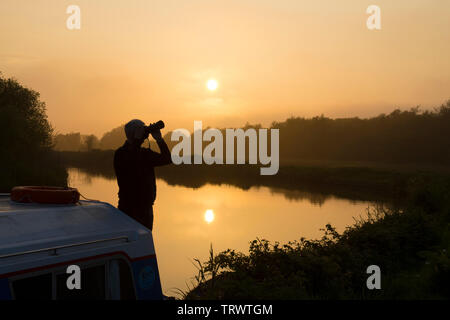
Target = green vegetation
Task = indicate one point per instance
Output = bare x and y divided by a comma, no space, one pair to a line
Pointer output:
26,140
411,245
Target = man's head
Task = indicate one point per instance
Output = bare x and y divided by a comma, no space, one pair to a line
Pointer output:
135,132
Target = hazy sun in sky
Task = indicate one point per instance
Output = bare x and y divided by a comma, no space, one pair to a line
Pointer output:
212,84
209,216
250,66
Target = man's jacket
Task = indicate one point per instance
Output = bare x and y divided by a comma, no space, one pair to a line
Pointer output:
135,174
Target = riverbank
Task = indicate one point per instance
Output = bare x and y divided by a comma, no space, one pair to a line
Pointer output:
43,168
410,245
354,181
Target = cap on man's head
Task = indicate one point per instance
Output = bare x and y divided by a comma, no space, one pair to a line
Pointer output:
134,129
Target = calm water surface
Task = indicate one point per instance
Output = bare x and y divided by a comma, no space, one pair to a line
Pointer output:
188,220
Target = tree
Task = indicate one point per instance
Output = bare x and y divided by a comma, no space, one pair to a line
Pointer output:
23,124
67,142
91,142
25,138
113,139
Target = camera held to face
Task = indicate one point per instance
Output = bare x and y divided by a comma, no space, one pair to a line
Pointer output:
154,127
141,131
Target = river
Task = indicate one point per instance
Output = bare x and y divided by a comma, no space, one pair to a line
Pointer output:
187,221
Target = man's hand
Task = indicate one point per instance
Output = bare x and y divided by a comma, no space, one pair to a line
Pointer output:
156,134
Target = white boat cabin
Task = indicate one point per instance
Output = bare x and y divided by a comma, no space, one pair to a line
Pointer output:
114,255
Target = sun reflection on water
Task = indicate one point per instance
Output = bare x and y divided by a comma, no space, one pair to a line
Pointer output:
209,216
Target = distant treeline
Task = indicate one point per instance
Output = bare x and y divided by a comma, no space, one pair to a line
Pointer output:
75,141
401,136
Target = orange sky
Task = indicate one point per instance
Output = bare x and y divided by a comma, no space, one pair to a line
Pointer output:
151,59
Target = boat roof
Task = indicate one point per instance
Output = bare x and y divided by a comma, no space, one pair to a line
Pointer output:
25,226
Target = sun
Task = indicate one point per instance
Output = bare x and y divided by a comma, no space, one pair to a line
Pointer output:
209,216
212,84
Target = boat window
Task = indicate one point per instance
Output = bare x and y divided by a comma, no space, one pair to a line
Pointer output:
33,288
126,281
92,285
110,279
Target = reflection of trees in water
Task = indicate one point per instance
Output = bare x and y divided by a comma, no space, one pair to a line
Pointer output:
85,176
293,183
313,184
78,175
297,195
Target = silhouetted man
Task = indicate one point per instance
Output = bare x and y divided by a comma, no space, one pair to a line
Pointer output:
134,167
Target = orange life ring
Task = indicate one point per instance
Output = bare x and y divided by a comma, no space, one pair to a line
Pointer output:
55,195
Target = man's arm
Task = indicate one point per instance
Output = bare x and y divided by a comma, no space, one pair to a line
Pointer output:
159,159
166,157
